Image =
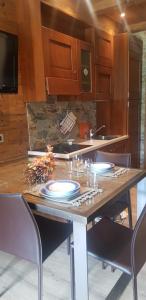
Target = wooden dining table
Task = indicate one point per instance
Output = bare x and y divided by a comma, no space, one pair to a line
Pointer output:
12,180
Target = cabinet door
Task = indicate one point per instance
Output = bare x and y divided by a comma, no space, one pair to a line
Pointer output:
86,71
119,147
60,56
104,49
103,83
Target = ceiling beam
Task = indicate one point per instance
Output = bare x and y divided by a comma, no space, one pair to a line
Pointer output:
141,26
100,6
103,5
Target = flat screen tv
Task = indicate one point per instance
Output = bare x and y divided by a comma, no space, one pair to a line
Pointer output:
8,63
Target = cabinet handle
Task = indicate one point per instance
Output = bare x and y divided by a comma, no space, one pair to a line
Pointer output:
74,71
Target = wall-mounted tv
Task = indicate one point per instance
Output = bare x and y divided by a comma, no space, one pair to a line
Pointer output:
8,63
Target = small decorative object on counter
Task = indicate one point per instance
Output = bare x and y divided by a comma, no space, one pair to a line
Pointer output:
41,168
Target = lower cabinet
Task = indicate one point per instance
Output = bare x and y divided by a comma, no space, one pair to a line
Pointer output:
119,147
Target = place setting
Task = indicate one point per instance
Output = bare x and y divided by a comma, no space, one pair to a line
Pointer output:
107,169
68,192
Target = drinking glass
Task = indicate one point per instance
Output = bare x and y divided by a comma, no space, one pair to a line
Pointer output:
92,180
78,164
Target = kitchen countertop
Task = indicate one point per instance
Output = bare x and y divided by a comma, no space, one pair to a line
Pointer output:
94,145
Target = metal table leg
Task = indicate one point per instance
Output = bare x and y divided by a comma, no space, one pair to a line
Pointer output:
80,261
141,196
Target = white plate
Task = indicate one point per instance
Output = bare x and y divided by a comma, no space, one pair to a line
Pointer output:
100,167
61,188
64,199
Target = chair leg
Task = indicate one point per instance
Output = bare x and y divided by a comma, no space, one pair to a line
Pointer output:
104,265
68,244
113,269
72,273
135,295
130,216
40,281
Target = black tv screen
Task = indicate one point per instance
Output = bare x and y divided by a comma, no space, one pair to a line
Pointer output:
8,63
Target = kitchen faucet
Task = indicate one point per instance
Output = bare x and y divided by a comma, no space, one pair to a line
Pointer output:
92,133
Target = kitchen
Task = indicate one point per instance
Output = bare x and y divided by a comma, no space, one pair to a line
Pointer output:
45,113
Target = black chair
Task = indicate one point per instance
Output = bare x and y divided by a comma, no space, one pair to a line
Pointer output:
119,246
28,236
123,202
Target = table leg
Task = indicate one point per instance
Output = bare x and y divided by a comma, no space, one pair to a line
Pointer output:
80,261
141,196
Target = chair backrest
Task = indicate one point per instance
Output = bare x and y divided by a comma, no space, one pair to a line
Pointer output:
120,159
138,244
19,233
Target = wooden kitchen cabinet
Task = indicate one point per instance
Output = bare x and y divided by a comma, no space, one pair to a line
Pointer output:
119,147
61,64
104,90
103,45
86,71
104,48
127,76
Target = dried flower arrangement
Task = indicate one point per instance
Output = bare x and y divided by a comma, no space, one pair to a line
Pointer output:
40,169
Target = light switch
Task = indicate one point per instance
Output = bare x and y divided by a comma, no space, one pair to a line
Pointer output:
1,138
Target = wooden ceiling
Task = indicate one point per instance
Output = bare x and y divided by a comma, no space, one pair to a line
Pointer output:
134,21
135,18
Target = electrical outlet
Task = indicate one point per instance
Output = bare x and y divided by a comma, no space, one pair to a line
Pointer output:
1,138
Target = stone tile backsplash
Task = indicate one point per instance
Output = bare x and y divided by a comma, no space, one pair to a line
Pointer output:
44,120
142,35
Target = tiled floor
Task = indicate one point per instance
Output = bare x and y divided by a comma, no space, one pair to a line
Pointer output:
18,279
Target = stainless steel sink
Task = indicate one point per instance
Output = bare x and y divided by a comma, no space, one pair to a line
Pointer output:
104,137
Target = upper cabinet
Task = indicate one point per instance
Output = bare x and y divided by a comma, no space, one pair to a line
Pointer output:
103,67
104,49
86,70
103,62
104,89
60,59
68,64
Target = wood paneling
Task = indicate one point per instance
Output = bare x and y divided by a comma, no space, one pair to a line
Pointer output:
32,64
82,10
13,123
127,91
8,16
15,144
58,20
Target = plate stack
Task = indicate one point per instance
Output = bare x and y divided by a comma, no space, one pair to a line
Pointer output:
101,167
60,190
